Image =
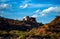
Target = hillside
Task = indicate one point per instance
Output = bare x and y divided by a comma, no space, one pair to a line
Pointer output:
47,31
33,29
55,21
54,26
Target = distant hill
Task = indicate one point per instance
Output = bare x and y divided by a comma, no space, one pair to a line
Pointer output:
10,24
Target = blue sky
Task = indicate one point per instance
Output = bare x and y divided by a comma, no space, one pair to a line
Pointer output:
43,10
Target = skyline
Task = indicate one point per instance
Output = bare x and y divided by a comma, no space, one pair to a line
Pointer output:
43,10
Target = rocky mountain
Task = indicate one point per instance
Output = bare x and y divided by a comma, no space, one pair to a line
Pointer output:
56,21
54,25
10,24
35,29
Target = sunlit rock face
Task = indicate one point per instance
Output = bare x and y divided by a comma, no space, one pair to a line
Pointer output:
56,21
54,26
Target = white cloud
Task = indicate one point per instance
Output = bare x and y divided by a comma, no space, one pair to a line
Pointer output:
51,9
24,6
34,16
3,5
46,11
5,8
37,11
31,5
42,14
24,17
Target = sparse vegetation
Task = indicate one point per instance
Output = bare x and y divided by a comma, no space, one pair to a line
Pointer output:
28,29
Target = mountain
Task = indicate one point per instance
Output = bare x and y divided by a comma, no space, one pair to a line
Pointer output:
54,26
35,29
24,25
56,21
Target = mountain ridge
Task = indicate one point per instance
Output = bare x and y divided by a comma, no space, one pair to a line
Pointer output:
10,24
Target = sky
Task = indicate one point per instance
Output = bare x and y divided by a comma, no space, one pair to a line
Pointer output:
43,10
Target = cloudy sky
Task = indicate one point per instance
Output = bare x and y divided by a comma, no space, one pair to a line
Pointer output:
43,10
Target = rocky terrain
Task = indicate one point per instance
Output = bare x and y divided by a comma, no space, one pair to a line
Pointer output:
29,29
